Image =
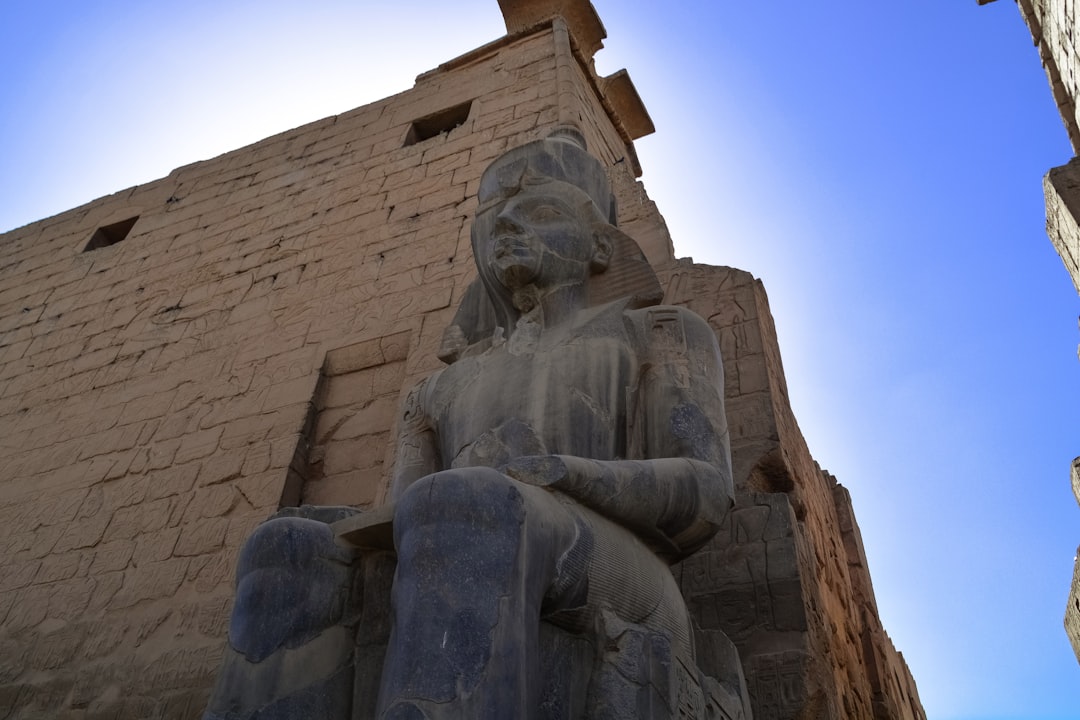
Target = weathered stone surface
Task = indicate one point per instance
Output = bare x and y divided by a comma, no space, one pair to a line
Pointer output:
1062,189
1054,30
552,502
181,362
1053,27
1072,606
788,574
1072,609
1075,476
159,396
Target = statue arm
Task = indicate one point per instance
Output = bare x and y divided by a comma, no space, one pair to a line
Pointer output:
676,496
417,446
667,502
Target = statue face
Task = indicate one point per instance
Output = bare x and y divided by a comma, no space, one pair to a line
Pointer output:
541,236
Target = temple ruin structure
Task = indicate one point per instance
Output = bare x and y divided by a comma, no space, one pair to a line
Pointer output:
1053,25
181,359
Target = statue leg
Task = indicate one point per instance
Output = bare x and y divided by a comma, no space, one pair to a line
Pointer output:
290,638
477,552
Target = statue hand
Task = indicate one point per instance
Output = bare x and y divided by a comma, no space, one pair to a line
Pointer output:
538,470
453,344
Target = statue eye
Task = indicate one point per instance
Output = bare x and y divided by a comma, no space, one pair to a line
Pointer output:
545,213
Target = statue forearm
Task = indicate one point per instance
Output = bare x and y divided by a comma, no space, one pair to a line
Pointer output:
674,504
417,455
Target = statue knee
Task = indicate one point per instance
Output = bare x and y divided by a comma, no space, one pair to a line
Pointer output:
481,499
460,571
292,582
288,542
457,519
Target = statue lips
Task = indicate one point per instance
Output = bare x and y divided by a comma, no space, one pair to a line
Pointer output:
515,245
515,258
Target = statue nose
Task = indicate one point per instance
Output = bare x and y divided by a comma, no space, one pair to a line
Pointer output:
506,222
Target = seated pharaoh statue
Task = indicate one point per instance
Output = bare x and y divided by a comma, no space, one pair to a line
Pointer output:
574,447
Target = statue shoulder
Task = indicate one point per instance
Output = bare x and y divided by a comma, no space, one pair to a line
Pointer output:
418,401
670,325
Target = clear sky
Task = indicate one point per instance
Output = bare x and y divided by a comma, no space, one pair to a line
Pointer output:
877,164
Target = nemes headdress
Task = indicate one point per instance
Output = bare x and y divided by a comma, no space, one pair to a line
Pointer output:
561,156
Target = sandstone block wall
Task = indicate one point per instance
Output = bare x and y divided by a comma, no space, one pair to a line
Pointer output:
1053,25
245,346
1072,608
786,578
1062,189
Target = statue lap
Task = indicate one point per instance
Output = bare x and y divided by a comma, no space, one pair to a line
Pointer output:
293,625
467,540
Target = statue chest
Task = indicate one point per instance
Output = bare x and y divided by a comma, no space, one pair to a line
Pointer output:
566,398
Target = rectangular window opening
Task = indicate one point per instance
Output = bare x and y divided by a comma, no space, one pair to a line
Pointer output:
110,234
437,123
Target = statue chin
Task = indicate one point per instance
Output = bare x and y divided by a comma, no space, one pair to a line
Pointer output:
517,273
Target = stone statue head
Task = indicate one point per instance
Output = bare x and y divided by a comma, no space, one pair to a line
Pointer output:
546,218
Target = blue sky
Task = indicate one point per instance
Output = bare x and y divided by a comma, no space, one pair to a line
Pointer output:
878,165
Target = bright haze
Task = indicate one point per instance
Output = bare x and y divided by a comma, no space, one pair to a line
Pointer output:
878,165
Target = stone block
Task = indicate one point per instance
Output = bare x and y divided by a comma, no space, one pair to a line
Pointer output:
69,599
1072,609
751,418
199,537
211,502
56,649
781,686
57,567
221,467
155,456
29,610
292,392
209,574
1075,477
83,532
18,575
169,480
196,445
128,523
153,581
100,643
349,488
345,391
155,546
1062,189
264,491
